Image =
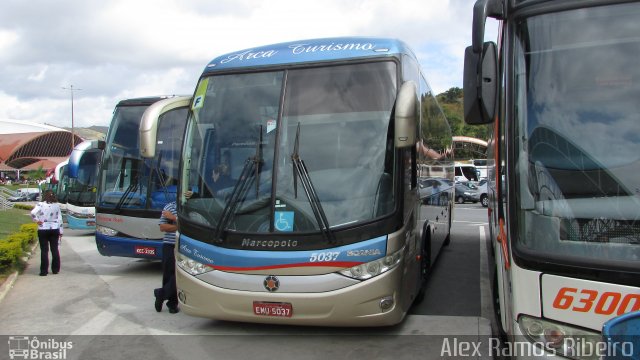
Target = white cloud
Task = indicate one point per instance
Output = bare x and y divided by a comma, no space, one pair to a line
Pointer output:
39,76
7,39
115,49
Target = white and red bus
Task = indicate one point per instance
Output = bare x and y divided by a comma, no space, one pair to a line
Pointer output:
561,88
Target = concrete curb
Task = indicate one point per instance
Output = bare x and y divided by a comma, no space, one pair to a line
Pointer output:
7,285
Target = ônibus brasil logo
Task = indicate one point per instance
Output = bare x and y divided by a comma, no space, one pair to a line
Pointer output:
25,347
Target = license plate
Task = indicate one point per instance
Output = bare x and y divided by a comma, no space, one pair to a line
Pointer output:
275,309
91,223
145,250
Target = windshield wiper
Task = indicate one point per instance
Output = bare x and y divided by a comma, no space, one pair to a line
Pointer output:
300,170
131,188
161,177
251,169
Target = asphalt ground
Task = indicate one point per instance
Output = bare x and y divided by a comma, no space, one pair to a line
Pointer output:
104,306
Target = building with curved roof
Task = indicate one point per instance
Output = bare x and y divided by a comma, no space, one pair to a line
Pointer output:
477,146
26,145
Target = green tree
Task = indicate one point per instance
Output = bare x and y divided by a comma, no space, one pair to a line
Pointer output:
452,95
452,103
38,174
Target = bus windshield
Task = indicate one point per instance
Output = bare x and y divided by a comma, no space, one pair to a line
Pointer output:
63,183
300,150
577,90
82,189
128,180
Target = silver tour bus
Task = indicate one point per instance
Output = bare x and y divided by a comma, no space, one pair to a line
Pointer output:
300,200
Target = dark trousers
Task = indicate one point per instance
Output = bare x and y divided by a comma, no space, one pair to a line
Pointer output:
168,291
49,240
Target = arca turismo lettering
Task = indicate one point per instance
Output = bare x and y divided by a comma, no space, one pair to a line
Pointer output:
297,49
202,257
248,55
185,249
306,48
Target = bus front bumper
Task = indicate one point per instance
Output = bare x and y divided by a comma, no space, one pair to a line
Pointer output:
356,305
128,247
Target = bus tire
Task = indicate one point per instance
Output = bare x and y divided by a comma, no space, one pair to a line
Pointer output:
425,265
497,312
447,240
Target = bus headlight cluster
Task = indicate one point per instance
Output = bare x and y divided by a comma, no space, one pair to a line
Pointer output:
561,339
375,267
191,266
106,231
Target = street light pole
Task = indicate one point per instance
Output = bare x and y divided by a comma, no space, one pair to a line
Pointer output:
71,90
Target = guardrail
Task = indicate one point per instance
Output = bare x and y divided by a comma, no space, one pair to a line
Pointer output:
6,192
4,203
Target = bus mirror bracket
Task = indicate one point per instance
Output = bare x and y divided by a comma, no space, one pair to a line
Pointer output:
481,10
406,112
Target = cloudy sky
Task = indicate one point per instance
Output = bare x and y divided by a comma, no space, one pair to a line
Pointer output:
115,49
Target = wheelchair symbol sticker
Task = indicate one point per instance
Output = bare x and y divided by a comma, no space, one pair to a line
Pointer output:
283,221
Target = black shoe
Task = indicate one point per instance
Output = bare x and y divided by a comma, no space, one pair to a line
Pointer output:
159,301
55,272
174,310
43,274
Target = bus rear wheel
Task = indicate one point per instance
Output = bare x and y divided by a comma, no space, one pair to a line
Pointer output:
447,240
425,265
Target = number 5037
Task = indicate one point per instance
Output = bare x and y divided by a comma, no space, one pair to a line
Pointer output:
605,303
324,256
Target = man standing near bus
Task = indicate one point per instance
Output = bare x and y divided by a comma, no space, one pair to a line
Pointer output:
168,291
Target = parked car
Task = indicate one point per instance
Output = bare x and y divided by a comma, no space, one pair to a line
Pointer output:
466,194
24,196
482,192
425,188
471,184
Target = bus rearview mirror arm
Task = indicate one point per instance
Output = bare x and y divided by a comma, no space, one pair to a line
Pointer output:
481,10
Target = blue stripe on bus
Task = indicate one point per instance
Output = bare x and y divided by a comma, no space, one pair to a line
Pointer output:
81,223
305,51
234,259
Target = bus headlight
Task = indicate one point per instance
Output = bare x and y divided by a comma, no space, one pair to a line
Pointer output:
191,266
106,231
561,339
375,267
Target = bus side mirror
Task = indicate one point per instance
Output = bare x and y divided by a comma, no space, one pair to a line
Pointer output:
480,84
481,66
406,115
148,130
